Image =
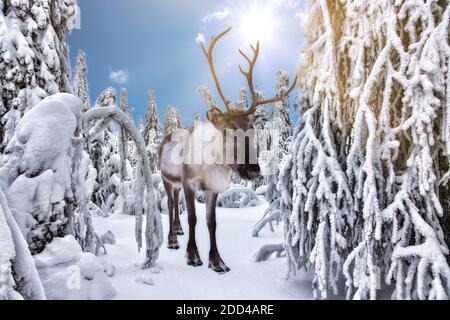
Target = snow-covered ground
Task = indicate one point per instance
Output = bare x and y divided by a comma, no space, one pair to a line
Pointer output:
176,280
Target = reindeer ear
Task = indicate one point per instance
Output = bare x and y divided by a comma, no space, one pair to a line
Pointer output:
214,115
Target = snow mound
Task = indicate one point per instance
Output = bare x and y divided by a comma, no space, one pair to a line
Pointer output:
89,265
145,279
45,134
67,273
60,251
155,270
261,191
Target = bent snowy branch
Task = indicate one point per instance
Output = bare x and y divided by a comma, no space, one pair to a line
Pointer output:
18,275
153,231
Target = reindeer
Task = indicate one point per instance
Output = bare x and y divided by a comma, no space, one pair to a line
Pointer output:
214,176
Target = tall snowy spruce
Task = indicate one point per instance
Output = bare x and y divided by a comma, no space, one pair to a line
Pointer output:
153,134
104,155
365,188
124,140
33,56
80,81
124,198
152,120
280,131
280,125
173,121
210,100
260,121
243,103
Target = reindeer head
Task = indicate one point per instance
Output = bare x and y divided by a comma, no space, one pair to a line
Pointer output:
240,120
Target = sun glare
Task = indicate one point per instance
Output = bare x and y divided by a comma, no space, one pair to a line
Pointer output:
258,24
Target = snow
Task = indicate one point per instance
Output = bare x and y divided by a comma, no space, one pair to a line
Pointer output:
37,131
145,279
175,280
67,273
60,251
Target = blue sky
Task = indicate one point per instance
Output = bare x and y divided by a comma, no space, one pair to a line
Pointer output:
154,45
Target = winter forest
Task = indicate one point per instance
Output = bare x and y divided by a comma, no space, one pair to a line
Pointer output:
356,204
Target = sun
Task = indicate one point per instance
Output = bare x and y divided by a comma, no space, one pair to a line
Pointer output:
257,24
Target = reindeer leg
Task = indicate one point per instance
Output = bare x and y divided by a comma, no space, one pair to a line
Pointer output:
172,242
192,256
215,261
177,226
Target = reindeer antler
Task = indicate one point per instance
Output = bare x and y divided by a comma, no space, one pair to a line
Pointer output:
209,57
249,76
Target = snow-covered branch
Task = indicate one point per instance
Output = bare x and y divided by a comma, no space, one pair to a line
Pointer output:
144,183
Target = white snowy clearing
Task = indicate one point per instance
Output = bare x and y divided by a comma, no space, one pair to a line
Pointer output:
173,279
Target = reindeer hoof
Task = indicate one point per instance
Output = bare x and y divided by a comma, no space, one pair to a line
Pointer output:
195,263
220,269
173,246
192,257
180,232
173,243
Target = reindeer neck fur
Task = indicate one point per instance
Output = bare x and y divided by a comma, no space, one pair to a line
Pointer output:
212,175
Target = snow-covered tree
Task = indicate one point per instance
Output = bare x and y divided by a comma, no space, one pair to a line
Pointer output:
117,172
80,81
152,122
209,97
124,139
19,278
242,103
124,106
47,175
260,121
111,188
153,148
280,125
125,145
153,134
103,150
365,186
280,131
173,121
33,56
106,98
281,118
261,115
141,126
